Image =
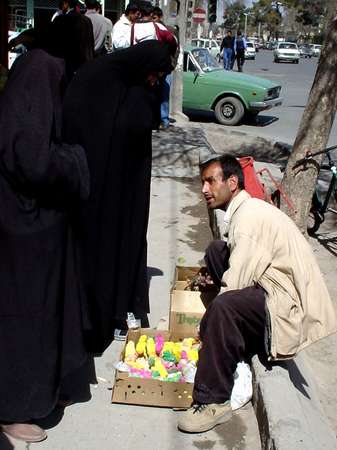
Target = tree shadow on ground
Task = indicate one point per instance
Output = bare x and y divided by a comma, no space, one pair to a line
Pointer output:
178,148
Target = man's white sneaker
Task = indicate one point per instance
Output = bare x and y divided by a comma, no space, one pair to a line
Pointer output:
200,417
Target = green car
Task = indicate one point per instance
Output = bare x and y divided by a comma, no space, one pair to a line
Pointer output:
231,95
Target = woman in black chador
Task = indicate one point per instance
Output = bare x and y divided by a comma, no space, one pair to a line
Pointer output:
111,108
42,313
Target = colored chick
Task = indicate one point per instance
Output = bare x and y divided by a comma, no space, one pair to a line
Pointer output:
150,347
159,367
130,352
159,343
141,345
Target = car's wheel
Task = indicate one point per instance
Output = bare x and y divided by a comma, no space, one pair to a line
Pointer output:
218,57
276,60
253,58
297,61
229,111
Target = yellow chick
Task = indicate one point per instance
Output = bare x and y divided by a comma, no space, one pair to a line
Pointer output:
130,352
188,342
150,347
193,355
177,348
141,346
159,367
140,364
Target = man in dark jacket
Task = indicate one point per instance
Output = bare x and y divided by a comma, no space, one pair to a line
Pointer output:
227,45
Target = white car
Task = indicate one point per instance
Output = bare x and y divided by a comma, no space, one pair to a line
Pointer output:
286,51
316,49
250,51
211,44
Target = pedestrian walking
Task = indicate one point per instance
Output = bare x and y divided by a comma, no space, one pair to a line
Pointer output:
272,300
115,124
227,46
42,179
239,50
121,33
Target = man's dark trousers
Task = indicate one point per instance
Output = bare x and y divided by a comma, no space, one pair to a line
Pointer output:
232,330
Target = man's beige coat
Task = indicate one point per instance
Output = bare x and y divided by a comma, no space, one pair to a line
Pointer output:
267,248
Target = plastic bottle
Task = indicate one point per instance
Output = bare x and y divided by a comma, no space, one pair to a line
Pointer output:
133,323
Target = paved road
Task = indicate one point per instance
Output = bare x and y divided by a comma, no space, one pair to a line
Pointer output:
296,79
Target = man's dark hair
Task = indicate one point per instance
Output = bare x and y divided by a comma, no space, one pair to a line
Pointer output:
157,11
239,33
132,7
145,8
230,166
91,4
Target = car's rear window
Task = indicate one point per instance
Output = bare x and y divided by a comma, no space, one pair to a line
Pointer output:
293,46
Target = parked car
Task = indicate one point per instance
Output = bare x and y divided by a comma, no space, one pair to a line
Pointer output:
231,95
286,51
316,49
250,51
211,44
305,51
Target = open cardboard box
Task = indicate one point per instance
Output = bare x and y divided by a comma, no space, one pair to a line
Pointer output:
186,311
139,391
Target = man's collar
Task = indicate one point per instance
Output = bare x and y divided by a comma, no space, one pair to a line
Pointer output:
233,206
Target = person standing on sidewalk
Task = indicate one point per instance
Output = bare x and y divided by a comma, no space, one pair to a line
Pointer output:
227,46
100,26
42,180
121,33
114,124
239,50
165,86
272,300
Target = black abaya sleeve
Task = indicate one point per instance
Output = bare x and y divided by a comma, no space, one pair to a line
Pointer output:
31,157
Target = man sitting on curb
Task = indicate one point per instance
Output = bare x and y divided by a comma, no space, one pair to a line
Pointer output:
273,298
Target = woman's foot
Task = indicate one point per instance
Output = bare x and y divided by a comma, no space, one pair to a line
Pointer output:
24,432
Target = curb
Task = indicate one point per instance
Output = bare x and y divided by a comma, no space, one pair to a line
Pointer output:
285,401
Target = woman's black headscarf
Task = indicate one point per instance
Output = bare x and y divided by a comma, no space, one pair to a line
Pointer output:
110,110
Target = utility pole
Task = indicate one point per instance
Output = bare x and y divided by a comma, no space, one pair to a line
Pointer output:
30,13
176,96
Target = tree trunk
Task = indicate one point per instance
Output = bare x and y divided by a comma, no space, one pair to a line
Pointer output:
299,180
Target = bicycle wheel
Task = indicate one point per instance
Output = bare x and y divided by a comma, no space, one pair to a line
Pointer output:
315,219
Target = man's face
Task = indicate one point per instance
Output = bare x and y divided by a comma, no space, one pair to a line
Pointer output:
156,18
64,6
217,192
133,16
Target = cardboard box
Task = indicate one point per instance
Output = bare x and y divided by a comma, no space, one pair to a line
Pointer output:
187,307
138,391
186,311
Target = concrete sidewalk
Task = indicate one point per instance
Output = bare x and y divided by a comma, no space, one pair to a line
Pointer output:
178,229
